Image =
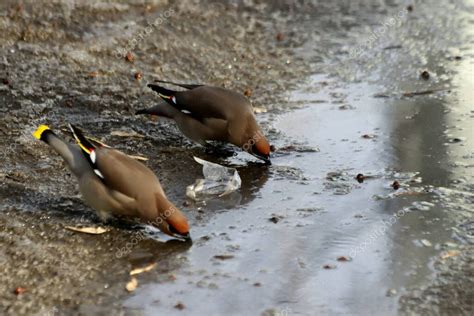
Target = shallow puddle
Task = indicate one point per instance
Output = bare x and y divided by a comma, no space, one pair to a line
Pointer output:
283,243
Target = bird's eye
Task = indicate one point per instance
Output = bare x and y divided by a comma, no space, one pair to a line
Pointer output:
254,148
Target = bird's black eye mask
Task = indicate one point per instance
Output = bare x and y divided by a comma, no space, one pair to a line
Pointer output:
88,149
173,230
259,155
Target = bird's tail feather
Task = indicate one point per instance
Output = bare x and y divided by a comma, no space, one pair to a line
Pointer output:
183,85
81,140
40,132
165,94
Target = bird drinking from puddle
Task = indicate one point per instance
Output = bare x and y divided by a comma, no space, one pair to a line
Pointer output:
112,183
205,113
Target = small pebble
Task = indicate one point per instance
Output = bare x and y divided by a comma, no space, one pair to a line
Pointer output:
213,286
274,219
19,290
172,277
426,243
396,185
455,140
329,266
179,306
425,75
391,292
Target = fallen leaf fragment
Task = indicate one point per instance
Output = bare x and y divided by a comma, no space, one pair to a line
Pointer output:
223,257
423,92
19,290
136,157
93,74
142,269
393,47
344,258
126,134
131,285
381,95
297,148
172,277
346,107
426,243
449,254
88,230
259,109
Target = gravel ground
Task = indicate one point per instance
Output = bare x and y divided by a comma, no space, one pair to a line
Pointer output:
66,61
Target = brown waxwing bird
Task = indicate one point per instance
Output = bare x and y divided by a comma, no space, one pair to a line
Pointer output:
205,113
112,183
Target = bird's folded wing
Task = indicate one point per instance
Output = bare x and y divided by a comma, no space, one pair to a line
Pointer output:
124,174
212,102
